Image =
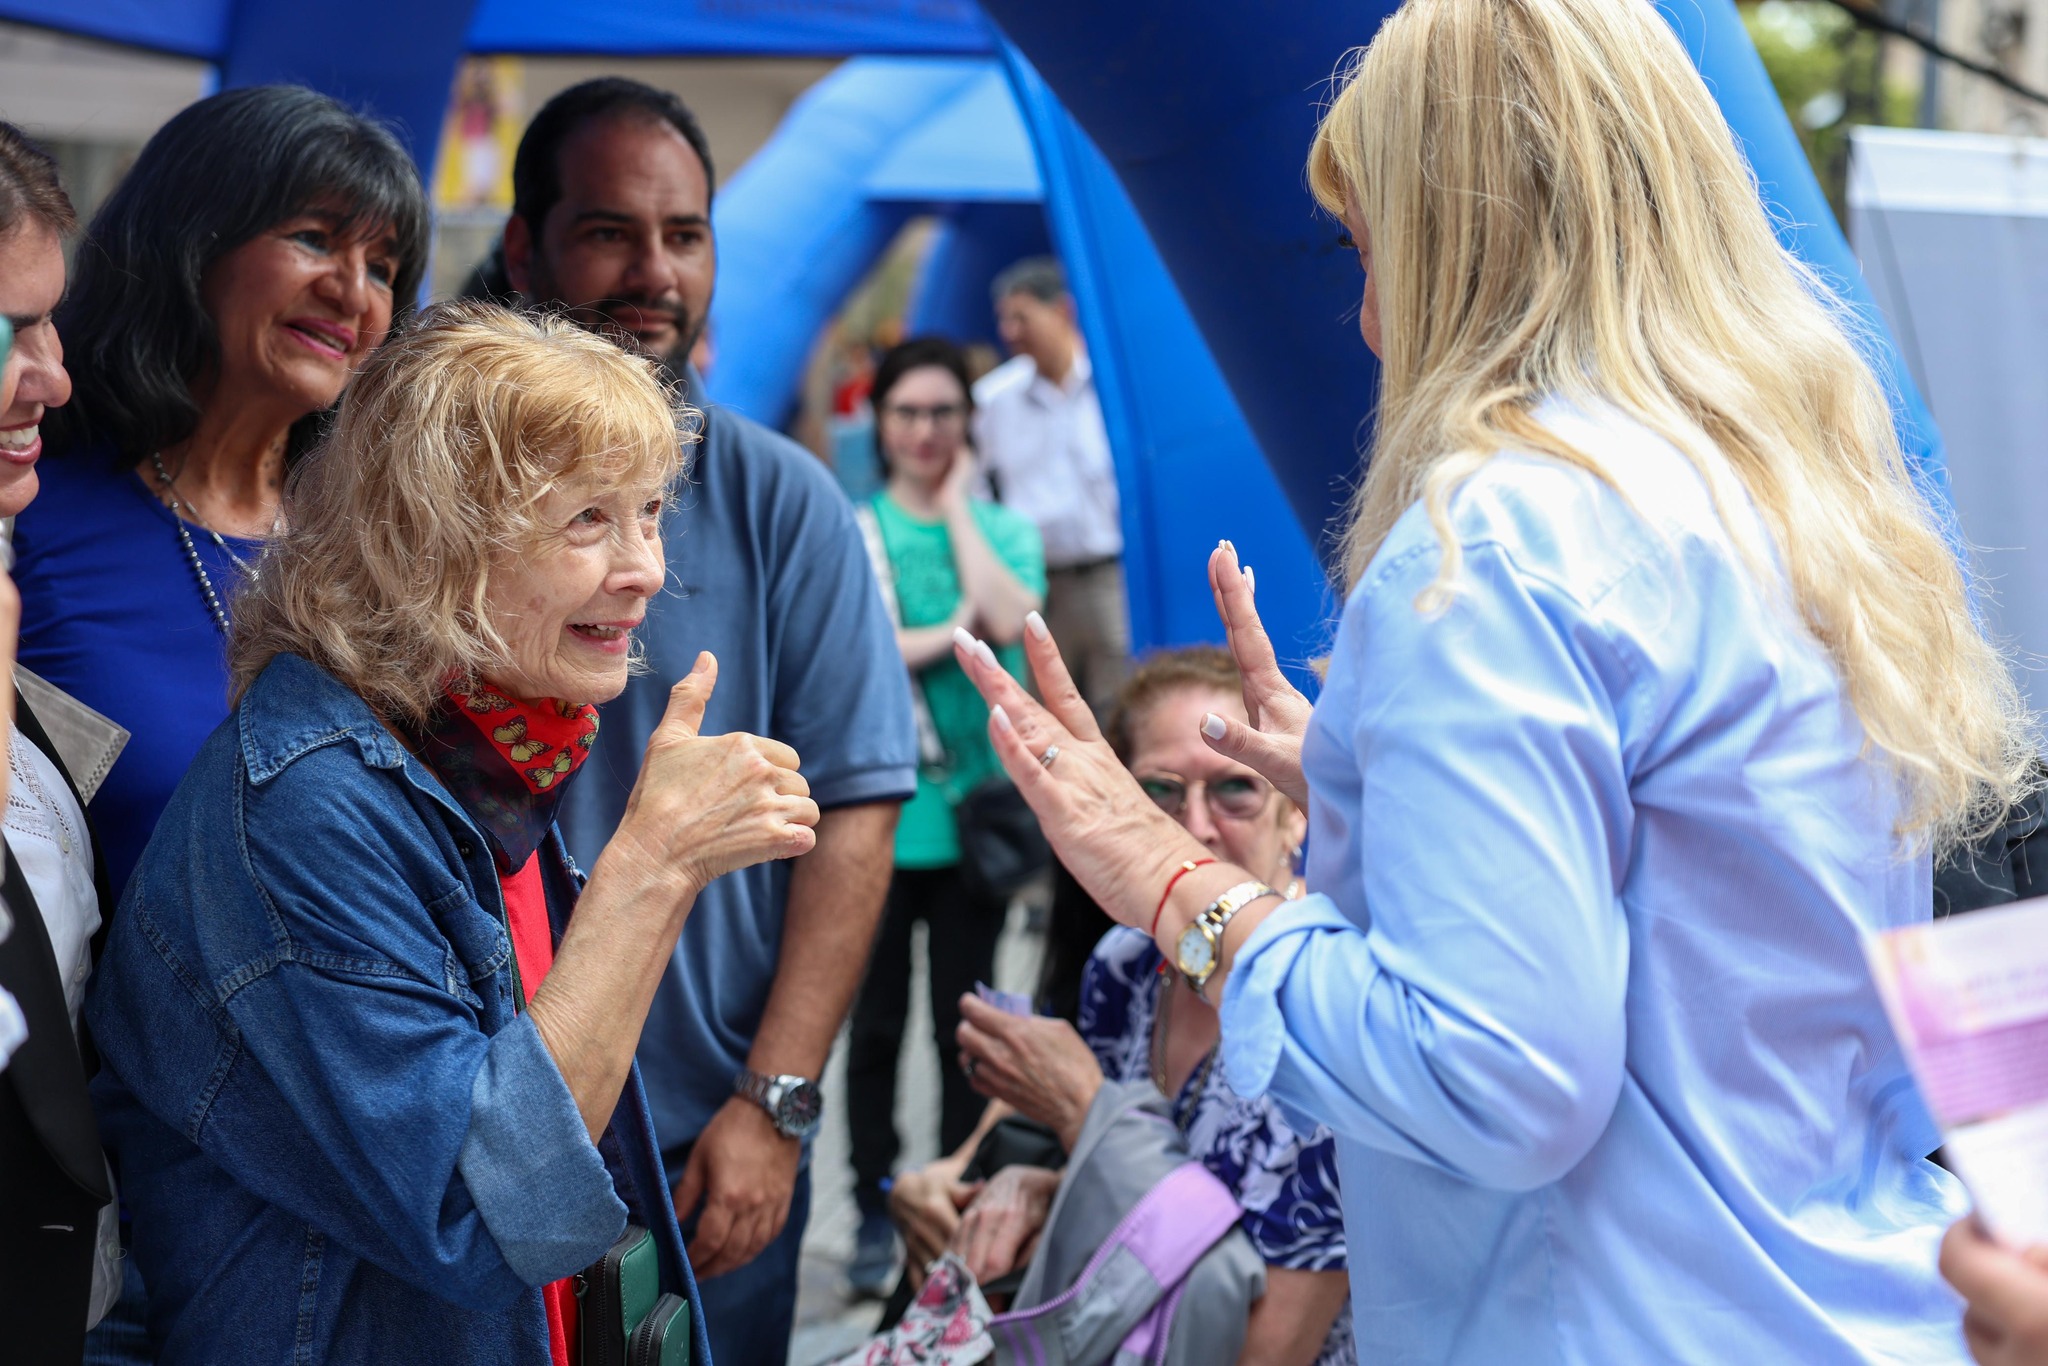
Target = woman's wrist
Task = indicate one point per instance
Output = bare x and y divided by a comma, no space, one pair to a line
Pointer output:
955,509
628,866
1192,895
1076,1116
1189,902
1188,866
1159,848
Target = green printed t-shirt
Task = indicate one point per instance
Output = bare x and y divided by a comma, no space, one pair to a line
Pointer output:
927,592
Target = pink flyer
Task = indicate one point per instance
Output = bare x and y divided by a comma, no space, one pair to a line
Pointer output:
1968,999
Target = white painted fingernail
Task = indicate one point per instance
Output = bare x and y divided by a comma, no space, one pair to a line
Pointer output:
1251,580
1000,717
1231,546
1035,624
986,655
962,638
1212,725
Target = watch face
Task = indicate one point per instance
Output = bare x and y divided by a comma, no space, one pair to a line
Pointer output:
800,1107
1196,952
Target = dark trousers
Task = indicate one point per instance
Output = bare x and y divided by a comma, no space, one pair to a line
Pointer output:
48,1229
961,932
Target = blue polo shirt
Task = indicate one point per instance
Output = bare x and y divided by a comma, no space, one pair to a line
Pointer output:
768,571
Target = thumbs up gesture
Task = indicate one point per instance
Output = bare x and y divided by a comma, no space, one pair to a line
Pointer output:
710,804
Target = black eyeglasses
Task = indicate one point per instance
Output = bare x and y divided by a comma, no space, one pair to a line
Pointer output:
1237,799
908,415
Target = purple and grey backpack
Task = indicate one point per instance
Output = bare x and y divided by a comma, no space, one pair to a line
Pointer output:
1141,1260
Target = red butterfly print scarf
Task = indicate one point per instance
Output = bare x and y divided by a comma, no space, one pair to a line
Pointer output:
507,761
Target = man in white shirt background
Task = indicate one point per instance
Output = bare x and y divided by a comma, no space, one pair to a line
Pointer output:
1038,428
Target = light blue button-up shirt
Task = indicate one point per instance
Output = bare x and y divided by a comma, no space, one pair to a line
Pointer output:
1582,992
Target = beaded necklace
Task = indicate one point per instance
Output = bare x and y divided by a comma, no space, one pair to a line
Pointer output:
181,513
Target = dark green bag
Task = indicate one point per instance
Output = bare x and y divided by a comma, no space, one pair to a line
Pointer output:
617,1293
663,1337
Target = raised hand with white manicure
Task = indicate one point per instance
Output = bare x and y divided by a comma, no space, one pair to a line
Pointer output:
1105,830
1279,712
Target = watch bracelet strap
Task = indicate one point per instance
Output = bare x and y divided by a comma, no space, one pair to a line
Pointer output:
1220,911
748,1084
1215,919
758,1087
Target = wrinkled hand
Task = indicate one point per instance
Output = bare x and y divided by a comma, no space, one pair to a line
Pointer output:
1000,1228
744,1172
710,804
1108,833
1279,712
925,1205
1035,1064
2005,1319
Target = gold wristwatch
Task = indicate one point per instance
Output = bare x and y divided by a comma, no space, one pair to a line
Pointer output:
1200,945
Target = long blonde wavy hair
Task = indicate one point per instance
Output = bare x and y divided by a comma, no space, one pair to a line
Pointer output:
1557,207
443,445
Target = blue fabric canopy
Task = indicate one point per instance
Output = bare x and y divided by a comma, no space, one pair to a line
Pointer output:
208,29
396,58
805,219
972,244
972,149
1205,110
1189,472
1168,137
883,137
751,27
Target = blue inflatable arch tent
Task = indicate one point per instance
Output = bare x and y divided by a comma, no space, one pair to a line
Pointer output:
1167,137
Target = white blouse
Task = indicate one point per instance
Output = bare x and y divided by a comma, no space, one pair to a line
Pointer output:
46,831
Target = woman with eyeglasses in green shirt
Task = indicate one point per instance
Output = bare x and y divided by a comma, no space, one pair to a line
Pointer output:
946,559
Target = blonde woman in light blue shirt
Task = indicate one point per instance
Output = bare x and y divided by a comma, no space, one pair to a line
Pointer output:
1654,687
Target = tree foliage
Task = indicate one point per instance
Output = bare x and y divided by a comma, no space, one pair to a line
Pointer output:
1829,75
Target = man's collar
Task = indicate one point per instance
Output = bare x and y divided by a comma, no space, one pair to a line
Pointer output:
1079,374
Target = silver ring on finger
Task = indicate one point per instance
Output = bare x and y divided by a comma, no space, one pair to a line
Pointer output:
967,1068
1052,752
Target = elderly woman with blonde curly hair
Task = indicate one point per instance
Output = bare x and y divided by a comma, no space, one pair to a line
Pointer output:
369,1082
1655,682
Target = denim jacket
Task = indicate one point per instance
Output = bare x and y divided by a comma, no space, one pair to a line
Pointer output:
339,1137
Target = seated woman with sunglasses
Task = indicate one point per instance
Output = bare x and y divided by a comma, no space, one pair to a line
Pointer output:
1138,1021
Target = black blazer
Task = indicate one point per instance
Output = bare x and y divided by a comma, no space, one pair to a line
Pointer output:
53,1177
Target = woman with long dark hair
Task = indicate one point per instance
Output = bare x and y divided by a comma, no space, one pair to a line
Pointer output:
250,260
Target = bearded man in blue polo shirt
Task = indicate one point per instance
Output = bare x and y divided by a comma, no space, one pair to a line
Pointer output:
767,570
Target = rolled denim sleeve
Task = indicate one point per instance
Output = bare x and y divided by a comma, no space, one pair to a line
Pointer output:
523,1122
1469,1013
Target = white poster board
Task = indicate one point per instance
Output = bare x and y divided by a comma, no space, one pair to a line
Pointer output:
1952,233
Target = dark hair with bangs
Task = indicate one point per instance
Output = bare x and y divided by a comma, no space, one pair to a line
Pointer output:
220,173
915,354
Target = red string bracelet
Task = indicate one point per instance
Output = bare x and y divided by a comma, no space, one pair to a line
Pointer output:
1171,882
